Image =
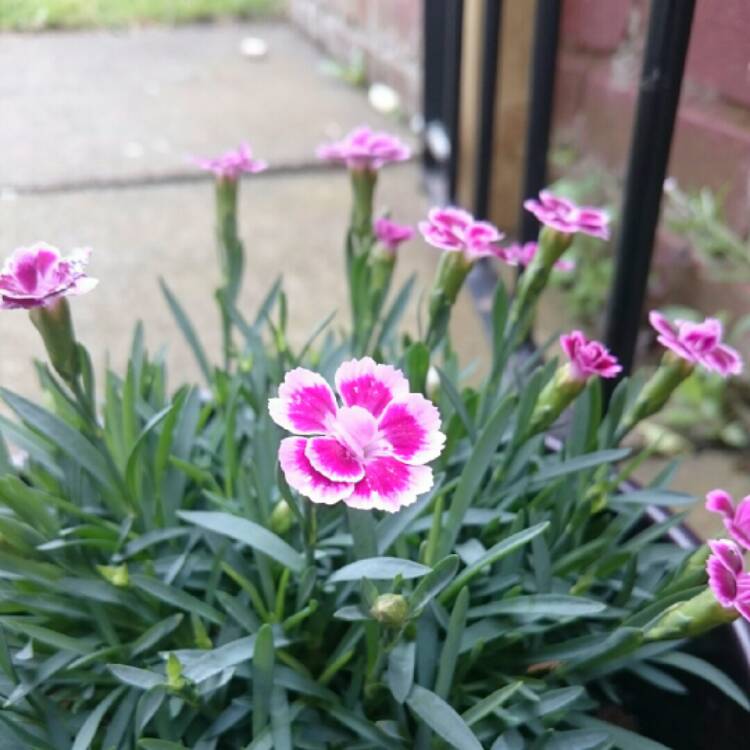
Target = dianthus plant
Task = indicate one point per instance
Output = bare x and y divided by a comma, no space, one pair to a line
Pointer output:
346,545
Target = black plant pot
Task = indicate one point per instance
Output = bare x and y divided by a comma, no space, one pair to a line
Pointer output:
704,718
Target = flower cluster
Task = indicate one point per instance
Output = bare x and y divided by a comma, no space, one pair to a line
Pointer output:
456,230
727,577
564,216
365,149
369,452
588,358
390,234
698,343
230,165
37,276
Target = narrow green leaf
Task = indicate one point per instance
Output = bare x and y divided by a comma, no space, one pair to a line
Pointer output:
67,439
452,645
132,462
623,739
188,331
474,471
379,569
248,533
707,672
400,673
143,679
540,605
442,719
433,583
87,732
176,597
263,660
458,404
362,727
575,739
281,720
493,701
154,634
396,311
500,550
655,497
417,363
362,529
150,744
205,664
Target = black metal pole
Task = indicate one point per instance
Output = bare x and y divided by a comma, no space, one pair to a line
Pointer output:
488,96
434,20
659,93
541,98
454,22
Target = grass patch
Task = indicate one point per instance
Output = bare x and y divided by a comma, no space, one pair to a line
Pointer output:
32,15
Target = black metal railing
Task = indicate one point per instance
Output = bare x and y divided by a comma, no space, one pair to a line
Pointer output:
669,28
658,95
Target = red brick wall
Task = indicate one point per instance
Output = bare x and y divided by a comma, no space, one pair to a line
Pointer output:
599,64
386,32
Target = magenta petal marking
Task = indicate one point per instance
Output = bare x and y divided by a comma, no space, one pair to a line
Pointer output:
454,229
564,216
722,582
699,343
305,404
303,477
369,385
38,275
364,148
410,427
391,234
739,525
390,485
728,554
719,501
333,460
588,358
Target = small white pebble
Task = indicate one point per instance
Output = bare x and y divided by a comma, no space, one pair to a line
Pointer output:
254,47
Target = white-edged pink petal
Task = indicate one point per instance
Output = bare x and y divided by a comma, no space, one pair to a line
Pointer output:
362,382
333,460
306,403
390,485
302,476
411,428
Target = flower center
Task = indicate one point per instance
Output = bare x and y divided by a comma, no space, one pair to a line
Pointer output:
356,429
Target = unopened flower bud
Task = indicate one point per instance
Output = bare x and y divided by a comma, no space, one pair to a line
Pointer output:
391,610
117,575
282,518
691,618
656,392
55,325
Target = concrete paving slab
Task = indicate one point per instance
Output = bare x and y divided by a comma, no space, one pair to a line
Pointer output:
116,104
291,225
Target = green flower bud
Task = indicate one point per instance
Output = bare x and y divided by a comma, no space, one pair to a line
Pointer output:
556,396
452,272
552,244
55,325
117,575
363,191
656,392
391,610
690,618
282,518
